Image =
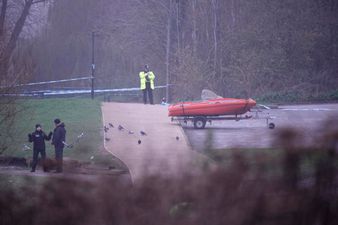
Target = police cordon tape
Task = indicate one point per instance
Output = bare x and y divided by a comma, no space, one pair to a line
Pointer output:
66,92
71,92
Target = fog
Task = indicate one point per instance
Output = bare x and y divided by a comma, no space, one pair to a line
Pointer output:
265,49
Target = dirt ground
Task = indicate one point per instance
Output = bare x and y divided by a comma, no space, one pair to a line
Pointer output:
73,169
307,119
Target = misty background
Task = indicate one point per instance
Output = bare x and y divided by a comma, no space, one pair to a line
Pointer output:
267,49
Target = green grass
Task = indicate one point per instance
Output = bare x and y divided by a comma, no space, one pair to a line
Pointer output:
78,114
297,97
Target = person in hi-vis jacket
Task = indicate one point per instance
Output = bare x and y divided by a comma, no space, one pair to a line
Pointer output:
147,78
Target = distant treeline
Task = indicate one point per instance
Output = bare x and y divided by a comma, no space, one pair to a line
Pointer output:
272,49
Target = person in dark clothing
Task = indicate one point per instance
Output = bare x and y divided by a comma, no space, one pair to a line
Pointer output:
59,138
38,138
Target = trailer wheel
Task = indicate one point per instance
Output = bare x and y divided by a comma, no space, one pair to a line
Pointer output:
272,125
199,122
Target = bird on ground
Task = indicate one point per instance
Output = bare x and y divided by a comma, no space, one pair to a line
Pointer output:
120,127
111,125
143,133
107,139
139,142
177,138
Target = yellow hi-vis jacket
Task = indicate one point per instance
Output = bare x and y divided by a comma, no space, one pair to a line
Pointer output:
143,80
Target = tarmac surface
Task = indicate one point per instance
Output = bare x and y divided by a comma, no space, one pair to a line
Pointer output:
162,150
309,120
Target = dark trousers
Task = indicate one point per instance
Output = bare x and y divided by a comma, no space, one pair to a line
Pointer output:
59,158
35,158
150,94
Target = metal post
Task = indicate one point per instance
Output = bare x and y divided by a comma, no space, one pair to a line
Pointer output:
168,53
93,65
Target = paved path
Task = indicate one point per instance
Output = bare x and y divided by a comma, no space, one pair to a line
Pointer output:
310,120
159,152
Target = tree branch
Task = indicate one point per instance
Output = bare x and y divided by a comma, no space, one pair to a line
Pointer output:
38,1
3,16
6,54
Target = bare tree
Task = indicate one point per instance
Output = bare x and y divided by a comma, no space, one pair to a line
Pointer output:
7,52
274,44
194,24
14,65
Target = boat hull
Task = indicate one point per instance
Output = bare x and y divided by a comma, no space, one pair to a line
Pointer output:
215,107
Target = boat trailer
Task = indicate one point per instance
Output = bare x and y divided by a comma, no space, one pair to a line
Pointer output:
200,121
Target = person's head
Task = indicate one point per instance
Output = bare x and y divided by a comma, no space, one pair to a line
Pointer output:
146,68
38,127
57,122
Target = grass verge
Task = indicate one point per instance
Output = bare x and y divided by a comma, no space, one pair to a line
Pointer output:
78,114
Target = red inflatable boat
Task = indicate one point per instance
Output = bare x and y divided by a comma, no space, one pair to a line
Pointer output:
214,107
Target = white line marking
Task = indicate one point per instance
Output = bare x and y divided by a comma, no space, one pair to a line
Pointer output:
314,109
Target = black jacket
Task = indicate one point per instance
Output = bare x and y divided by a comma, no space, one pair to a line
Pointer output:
59,136
38,138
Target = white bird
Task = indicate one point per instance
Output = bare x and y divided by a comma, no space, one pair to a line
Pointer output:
80,136
25,147
67,145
